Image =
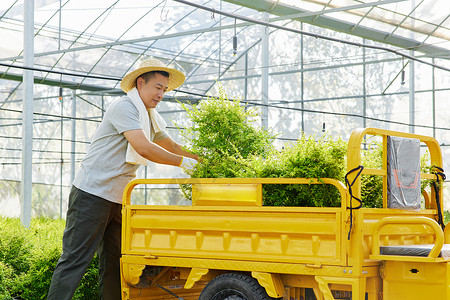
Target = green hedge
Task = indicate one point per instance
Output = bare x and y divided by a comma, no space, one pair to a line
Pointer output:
224,136
28,257
308,157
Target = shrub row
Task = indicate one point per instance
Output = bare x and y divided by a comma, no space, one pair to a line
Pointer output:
224,135
28,257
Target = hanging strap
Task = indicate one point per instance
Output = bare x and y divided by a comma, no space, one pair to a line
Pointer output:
439,175
349,185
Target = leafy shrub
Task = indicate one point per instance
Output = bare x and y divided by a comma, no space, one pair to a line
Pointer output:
224,137
372,185
230,146
6,275
14,246
307,158
426,167
29,256
223,133
446,216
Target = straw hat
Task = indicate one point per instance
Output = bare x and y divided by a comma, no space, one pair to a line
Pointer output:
176,78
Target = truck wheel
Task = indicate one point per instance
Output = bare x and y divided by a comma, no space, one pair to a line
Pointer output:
234,286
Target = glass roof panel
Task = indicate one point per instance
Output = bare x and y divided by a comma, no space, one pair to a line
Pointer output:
97,35
400,17
111,21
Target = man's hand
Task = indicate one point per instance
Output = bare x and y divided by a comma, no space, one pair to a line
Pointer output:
188,164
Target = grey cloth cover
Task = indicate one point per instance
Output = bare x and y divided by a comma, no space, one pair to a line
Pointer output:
403,173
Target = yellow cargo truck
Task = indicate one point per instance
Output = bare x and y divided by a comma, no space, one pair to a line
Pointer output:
228,246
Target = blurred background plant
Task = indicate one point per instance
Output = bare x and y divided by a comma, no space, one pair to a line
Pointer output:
28,257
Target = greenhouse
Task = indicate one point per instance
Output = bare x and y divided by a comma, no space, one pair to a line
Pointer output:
310,66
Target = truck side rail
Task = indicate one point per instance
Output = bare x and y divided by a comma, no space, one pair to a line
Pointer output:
354,159
222,232
339,185
406,220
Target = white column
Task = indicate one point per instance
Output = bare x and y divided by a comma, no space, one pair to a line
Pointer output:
265,72
73,136
412,104
27,115
412,101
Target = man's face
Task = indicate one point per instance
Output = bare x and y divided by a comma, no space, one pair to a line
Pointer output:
153,91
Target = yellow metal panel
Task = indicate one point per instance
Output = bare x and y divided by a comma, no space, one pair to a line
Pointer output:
384,160
156,293
447,234
227,194
416,281
427,176
251,266
379,172
132,272
408,258
257,233
239,181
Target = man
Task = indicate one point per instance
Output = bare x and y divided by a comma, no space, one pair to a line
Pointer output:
131,133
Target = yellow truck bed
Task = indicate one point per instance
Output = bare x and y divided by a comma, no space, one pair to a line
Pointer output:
178,251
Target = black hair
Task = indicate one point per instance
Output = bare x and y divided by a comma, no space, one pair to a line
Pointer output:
147,76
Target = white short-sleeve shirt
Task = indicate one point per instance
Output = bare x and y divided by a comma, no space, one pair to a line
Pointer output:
103,171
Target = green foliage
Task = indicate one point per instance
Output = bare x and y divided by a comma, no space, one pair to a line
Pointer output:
230,146
6,275
372,185
224,136
427,167
223,133
28,257
307,158
446,216
14,246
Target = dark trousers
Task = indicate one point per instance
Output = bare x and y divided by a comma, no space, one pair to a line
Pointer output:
92,224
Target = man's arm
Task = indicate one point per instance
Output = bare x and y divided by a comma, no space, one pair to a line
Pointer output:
170,145
150,150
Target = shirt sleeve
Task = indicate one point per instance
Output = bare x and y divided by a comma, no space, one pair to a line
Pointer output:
124,116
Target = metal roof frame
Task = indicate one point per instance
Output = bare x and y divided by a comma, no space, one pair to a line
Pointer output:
319,20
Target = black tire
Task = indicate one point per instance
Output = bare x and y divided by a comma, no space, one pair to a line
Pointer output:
234,286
